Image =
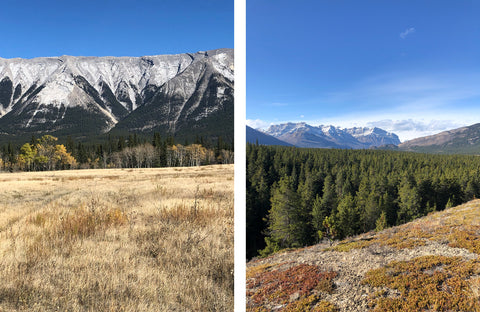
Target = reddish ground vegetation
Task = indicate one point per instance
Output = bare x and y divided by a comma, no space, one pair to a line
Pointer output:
295,289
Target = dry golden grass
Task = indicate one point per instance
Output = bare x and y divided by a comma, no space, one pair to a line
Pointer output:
117,240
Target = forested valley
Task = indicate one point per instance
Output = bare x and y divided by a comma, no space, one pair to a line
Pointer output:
51,153
298,197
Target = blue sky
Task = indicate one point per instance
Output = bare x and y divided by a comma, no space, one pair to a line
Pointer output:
411,67
114,27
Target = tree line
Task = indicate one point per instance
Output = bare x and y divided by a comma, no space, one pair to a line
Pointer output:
297,197
45,153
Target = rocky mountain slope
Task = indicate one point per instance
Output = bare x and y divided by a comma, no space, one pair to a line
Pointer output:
431,264
91,95
304,135
465,140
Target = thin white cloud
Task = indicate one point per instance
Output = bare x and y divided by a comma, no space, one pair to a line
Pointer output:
258,124
407,32
408,129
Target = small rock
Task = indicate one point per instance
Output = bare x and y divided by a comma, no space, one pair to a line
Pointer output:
294,296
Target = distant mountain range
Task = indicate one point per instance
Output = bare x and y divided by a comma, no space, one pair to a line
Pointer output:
182,95
465,140
304,135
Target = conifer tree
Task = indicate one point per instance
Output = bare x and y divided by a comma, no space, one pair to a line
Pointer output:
347,217
409,201
318,216
323,207
381,222
287,224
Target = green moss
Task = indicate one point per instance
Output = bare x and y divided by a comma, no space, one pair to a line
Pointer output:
349,245
459,226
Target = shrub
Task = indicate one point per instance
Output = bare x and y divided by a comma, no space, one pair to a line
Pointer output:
295,287
429,283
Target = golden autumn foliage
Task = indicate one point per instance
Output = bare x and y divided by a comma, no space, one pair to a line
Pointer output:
45,155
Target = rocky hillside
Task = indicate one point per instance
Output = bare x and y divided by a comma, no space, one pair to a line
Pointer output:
430,264
464,140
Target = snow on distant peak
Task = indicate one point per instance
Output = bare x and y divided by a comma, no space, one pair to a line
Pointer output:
357,137
45,86
328,130
289,127
360,131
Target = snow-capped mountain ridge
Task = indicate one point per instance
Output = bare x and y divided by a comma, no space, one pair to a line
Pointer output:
130,73
42,91
328,136
281,129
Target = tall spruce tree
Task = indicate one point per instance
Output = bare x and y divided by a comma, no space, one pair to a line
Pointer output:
287,221
347,217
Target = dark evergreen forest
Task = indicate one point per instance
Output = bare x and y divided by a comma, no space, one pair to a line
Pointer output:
297,197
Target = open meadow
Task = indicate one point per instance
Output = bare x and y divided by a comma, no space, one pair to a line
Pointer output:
117,240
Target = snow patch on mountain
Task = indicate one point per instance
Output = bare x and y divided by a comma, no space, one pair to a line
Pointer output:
224,65
58,91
